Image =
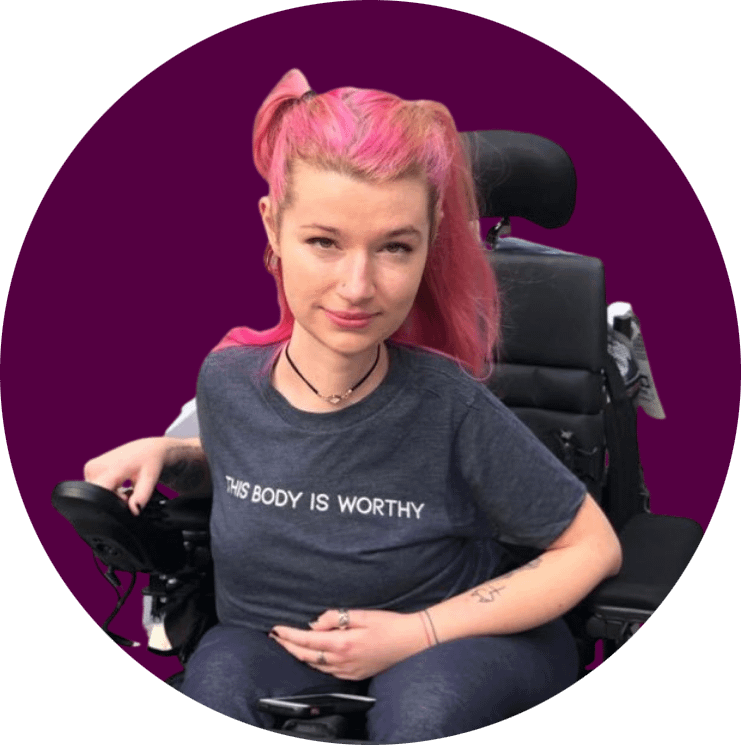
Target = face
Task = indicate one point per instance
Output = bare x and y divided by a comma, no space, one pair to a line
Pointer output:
352,254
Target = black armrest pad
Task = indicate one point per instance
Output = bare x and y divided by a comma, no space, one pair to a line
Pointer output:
145,543
188,512
656,550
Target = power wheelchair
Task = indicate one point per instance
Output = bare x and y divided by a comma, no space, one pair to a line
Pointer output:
554,370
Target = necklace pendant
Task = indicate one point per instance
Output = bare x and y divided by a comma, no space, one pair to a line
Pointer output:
337,398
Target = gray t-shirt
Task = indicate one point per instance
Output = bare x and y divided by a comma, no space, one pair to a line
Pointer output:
396,502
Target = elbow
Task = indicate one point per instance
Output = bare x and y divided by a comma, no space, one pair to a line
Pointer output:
609,548
613,557
606,555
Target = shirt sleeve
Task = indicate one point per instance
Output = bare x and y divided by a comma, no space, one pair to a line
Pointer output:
186,425
528,496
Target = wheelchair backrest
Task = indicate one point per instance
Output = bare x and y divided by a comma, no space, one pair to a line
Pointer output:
553,367
549,369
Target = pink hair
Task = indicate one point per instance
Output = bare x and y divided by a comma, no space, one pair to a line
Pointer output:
380,137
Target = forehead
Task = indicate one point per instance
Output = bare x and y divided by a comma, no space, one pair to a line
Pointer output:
321,194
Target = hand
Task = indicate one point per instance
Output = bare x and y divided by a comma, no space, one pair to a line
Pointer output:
140,462
374,641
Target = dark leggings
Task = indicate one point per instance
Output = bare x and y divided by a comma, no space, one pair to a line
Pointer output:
447,689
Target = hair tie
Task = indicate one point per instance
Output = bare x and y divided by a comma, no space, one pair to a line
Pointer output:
309,95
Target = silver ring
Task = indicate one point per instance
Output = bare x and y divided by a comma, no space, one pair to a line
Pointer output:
344,620
321,660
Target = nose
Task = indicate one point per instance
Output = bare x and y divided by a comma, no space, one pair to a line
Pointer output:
357,281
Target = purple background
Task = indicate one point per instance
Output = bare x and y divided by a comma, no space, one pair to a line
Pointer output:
148,247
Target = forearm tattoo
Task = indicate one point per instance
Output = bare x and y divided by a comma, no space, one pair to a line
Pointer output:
187,470
489,593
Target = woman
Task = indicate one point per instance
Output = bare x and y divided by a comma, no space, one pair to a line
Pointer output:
364,481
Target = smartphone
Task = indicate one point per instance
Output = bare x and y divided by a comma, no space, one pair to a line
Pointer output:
316,704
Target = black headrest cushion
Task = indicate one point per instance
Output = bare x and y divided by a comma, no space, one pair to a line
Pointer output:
522,175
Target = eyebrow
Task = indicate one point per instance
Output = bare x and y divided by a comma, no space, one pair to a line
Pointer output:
407,229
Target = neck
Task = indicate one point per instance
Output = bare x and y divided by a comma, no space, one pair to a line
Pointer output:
329,372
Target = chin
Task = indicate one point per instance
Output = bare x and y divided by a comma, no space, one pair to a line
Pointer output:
349,344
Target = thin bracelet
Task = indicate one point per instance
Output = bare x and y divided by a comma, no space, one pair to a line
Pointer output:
432,626
424,626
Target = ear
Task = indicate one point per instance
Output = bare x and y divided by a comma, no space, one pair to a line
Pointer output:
268,220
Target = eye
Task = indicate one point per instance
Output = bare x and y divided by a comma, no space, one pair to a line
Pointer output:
397,248
321,242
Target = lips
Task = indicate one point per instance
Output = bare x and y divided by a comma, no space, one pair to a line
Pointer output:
348,320
351,316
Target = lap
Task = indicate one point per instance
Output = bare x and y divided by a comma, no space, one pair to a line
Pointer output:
466,684
448,689
232,667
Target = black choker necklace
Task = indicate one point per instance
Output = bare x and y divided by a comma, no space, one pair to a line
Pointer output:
336,398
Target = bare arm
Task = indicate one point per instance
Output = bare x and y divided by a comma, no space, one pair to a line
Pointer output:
586,553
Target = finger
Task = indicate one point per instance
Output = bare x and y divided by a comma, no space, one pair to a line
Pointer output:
114,485
142,493
309,639
336,641
109,481
320,659
326,622
345,618
124,492
339,618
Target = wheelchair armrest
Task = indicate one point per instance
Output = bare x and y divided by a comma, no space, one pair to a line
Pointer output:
188,512
150,542
656,550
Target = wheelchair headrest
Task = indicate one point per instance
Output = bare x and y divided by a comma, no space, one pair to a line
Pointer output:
522,175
